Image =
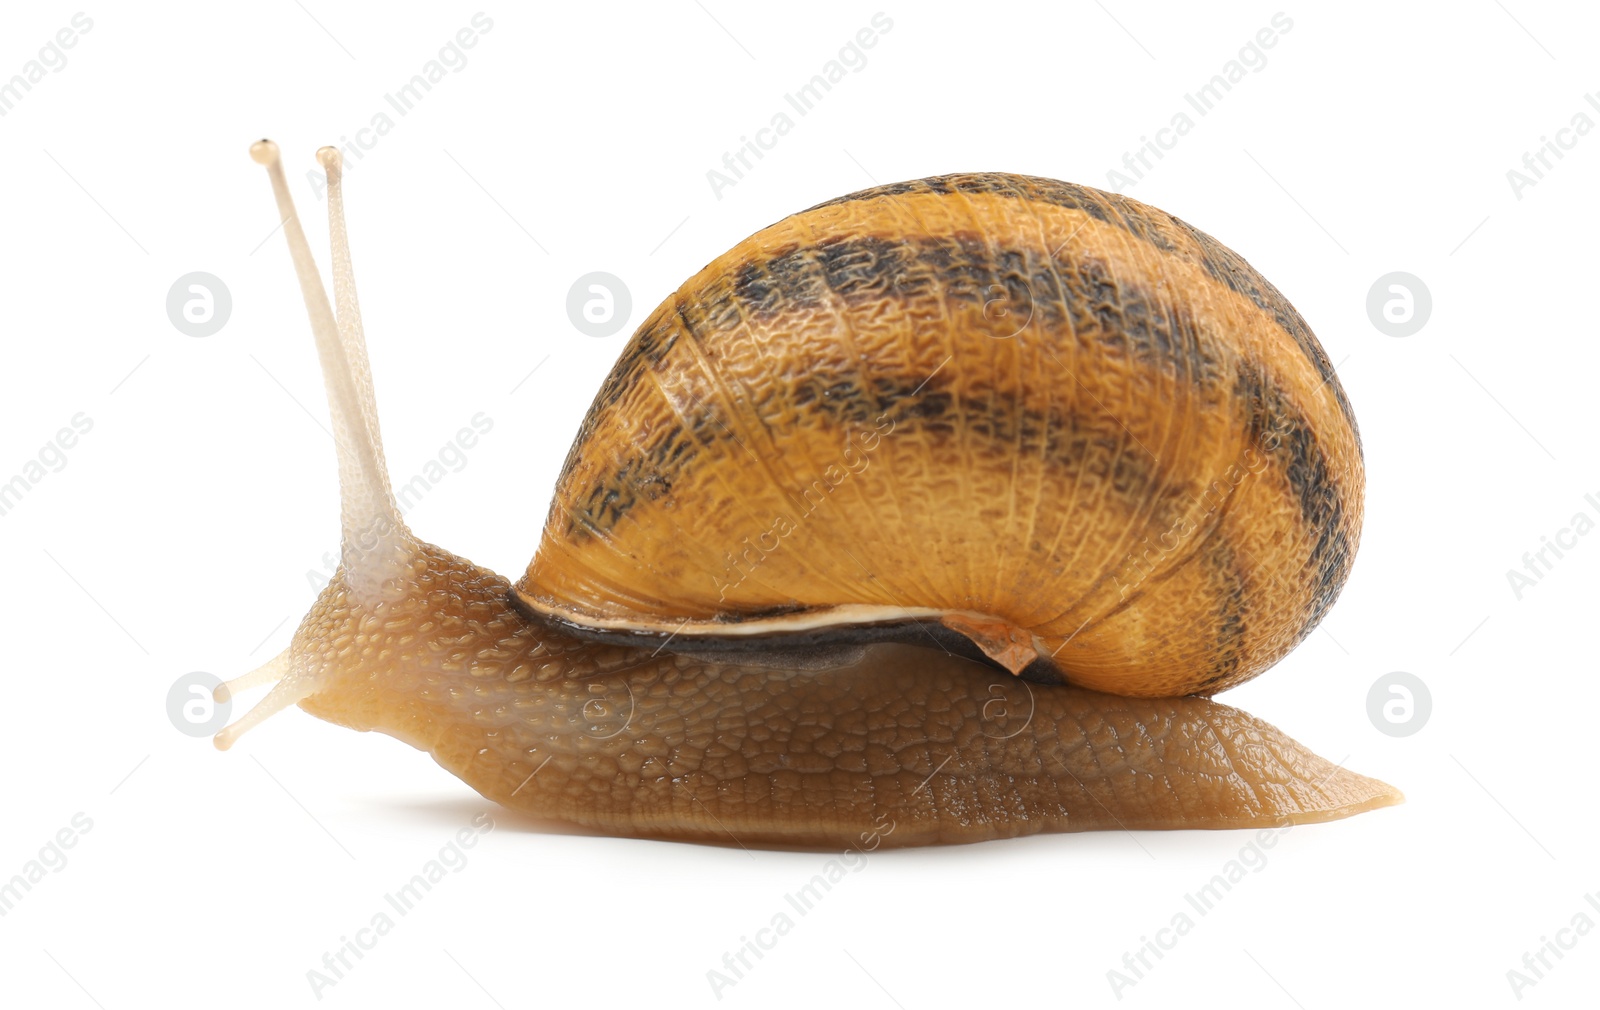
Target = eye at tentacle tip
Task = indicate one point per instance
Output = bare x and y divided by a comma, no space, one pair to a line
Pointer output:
264,152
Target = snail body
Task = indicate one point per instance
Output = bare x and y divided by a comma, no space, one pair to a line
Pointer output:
1106,368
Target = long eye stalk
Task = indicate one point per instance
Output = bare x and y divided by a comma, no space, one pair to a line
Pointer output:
375,543
372,529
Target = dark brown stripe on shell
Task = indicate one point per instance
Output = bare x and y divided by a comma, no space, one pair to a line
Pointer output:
1230,582
1080,299
1221,262
1299,455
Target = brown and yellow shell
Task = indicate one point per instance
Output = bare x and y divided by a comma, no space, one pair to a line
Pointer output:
1052,422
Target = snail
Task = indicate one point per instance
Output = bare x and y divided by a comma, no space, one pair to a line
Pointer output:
932,514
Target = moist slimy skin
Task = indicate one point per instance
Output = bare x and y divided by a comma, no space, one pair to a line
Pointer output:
1137,485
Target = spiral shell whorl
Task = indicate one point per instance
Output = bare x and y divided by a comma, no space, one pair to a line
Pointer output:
990,399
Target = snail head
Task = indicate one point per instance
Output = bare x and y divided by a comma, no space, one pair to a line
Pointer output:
398,611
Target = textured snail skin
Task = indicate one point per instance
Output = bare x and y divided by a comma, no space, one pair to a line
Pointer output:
985,499
907,746
1066,424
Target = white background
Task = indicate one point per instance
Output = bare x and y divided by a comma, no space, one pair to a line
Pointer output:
179,534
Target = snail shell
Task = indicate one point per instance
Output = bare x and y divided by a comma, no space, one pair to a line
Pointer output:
1067,426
